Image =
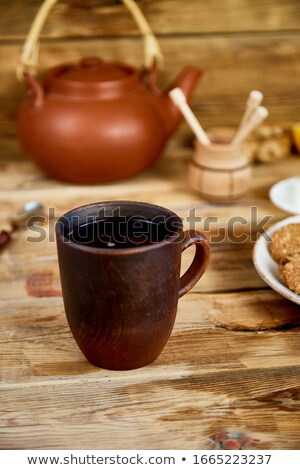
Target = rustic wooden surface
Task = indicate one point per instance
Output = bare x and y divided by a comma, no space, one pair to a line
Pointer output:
241,45
73,18
208,382
226,370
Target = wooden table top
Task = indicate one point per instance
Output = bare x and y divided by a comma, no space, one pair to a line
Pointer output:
227,377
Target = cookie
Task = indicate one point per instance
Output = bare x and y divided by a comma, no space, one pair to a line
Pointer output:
290,273
285,243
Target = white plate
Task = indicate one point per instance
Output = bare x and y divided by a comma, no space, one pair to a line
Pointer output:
267,268
286,195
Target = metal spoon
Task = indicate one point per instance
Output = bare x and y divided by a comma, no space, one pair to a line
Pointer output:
21,219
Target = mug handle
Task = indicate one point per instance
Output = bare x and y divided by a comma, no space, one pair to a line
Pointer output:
200,261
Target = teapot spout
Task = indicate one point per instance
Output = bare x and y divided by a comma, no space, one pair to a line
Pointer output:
186,81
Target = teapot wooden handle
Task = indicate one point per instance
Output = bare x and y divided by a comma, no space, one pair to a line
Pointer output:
29,58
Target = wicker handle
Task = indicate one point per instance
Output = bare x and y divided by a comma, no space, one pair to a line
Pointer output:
29,58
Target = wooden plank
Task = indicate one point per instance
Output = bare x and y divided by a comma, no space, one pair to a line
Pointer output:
233,66
166,413
50,394
109,17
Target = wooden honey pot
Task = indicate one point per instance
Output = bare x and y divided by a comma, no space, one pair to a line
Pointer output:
220,172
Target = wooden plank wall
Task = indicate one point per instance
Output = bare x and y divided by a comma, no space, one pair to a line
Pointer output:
241,45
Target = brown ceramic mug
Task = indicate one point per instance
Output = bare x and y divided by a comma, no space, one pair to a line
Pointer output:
121,300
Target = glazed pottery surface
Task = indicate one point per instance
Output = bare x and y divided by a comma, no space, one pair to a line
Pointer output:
220,172
121,304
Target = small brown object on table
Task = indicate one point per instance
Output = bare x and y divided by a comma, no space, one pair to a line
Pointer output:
212,386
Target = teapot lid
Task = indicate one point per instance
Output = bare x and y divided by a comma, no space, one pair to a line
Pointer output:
93,69
92,75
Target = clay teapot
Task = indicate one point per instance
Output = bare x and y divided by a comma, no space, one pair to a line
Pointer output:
94,121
